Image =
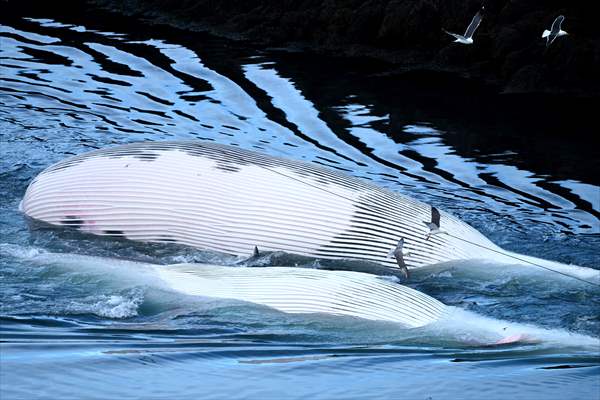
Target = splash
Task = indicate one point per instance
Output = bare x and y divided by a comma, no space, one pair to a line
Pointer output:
109,306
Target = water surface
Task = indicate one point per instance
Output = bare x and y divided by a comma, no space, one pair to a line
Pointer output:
531,184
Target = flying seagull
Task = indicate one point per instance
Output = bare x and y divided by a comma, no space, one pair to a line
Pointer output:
434,225
399,253
554,31
467,38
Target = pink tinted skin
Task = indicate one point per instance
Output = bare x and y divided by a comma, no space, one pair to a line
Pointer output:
518,338
512,339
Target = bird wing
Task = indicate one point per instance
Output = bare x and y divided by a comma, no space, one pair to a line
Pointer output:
456,35
556,25
435,216
399,258
398,249
473,25
401,264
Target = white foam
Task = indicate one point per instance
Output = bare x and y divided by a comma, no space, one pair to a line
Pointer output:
122,273
109,306
471,328
20,252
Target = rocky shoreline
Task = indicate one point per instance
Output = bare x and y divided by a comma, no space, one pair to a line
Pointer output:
508,52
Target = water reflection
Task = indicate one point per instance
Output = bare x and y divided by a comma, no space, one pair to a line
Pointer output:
98,87
71,87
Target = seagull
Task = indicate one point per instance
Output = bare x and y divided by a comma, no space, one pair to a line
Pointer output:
467,38
399,252
434,225
554,31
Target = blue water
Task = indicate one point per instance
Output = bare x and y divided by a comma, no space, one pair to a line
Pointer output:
99,331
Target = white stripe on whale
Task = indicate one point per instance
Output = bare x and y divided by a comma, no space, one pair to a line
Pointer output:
227,199
308,291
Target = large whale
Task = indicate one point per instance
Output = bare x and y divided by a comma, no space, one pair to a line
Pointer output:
298,291
231,200
286,289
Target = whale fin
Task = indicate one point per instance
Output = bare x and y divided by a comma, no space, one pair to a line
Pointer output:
546,33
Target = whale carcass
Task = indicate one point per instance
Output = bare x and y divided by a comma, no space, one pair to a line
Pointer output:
308,291
286,289
231,200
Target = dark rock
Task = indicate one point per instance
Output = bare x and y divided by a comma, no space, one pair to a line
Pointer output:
508,49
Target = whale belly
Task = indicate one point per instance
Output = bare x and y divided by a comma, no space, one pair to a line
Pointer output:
308,291
227,199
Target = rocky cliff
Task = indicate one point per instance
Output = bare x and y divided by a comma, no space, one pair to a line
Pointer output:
508,51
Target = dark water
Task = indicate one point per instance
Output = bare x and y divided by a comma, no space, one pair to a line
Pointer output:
529,180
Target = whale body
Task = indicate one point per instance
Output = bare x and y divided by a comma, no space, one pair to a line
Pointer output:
227,199
286,289
308,291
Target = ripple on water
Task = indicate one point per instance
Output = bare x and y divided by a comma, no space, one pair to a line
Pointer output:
102,332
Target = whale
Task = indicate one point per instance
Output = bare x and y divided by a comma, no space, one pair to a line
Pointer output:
231,200
309,291
286,289
311,294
